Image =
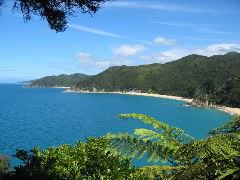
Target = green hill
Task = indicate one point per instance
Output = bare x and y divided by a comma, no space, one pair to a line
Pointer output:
191,76
62,80
229,94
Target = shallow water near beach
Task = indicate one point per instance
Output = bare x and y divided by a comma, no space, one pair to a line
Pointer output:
46,117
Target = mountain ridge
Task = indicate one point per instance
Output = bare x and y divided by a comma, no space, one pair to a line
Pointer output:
62,80
185,77
193,76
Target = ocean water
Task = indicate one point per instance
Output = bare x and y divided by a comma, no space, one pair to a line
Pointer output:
45,117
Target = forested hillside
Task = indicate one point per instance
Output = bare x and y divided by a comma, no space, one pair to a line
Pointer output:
62,80
191,76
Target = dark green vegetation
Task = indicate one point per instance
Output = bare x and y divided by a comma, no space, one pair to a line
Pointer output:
215,157
62,80
90,160
55,12
229,94
214,79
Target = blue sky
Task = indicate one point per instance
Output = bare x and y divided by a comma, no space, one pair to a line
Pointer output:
122,32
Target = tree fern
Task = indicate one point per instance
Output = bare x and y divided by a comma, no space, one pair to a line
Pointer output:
214,157
232,126
215,154
159,144
160,127
159,172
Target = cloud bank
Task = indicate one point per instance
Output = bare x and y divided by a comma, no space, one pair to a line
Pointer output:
177,53
164,41
128,50
86,60
130,55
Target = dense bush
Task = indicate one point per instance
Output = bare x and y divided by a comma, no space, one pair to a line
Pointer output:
215,157
90,160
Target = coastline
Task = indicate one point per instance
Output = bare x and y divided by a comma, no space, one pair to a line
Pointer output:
232,111
61,87
55,87
229,110
134,94
159,96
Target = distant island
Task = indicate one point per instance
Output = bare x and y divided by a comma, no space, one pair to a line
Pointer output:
209,81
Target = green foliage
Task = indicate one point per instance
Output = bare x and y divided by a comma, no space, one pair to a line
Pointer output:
192,76
158,172
229,94
90,160
232,126
59,81
214,157
4,164
159,144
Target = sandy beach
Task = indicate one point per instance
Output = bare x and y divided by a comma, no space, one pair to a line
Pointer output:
232,111
160,96
136,94
62,87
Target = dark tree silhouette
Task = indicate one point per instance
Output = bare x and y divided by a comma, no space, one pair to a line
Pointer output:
56,12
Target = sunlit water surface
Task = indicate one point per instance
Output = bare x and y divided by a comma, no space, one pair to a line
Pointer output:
45,117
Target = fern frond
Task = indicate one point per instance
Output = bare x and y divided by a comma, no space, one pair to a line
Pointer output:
219,147
231,126
161,127
193,172
159,172
133,147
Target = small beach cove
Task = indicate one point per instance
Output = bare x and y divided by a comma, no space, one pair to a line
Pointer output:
230,110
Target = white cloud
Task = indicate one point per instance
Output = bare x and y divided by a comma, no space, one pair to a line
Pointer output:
157,6
121,57
94,31
87,60
164,56
175,24
164,41
128,50
177,53
215,49
84,57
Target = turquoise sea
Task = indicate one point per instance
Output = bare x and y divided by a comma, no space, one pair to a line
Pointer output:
45,117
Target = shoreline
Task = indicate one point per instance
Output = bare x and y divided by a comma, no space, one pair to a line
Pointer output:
134,94
61,87
229,110
54,87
